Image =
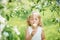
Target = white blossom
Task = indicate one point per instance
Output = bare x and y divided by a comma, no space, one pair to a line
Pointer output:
0,36
16,9
16,30
4,1
39,6
5,34
2,23
32,4
58,19
52,2
45,4
2,19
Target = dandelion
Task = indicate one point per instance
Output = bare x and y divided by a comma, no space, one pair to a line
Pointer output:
16,30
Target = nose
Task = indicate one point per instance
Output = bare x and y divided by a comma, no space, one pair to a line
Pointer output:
34,21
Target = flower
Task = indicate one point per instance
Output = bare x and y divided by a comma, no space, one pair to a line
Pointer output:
16,8
38,6
58,19
0,36
2,19
46,3
2,23
4,1
5,34
16,30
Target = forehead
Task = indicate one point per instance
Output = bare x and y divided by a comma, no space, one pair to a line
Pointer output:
33,16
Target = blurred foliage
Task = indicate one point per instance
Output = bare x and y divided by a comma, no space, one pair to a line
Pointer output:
17,11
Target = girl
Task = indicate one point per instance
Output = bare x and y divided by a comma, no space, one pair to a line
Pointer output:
34,30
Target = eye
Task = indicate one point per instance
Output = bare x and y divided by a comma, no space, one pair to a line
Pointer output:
35,18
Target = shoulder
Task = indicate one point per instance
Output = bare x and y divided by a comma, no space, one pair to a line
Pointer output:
41,29
29,28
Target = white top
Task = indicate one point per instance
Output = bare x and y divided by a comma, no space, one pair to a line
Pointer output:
37,35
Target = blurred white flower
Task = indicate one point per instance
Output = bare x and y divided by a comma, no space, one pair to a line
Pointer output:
32,4
16,8
46,3
5,34
58,19
39,6
0,36
7,25
16,30
1,27
4,1
2,19
2,23
52,2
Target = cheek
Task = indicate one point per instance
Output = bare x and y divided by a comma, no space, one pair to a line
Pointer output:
38,21
31,22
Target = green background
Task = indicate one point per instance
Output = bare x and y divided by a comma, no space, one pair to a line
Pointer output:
17,11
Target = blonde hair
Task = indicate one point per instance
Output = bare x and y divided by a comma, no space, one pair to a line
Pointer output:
31,16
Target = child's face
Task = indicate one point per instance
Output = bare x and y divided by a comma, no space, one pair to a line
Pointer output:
34,21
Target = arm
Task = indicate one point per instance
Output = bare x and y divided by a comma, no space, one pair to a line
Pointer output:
43,35
28,36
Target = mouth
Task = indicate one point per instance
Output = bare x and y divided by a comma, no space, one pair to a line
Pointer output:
34,24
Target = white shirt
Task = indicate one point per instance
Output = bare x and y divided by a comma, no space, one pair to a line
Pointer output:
37,35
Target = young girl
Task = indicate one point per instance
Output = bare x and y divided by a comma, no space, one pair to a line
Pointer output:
34,30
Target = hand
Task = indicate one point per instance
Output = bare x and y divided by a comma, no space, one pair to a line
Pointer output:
33,32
